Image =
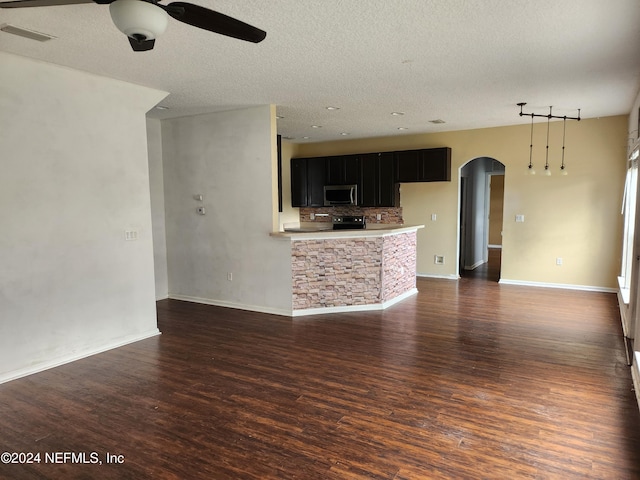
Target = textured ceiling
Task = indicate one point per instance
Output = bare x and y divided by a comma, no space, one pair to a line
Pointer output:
467,62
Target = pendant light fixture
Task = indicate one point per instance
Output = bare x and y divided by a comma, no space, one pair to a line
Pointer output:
547,170
530,169
563,169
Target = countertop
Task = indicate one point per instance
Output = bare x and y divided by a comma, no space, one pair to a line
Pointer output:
315,230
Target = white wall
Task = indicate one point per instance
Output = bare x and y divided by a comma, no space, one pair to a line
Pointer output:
229,158
156,179
74,178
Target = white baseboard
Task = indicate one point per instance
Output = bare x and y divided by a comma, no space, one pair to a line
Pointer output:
586,288
295,313
238,306
355,308
40,367
476,265
429,275
635,375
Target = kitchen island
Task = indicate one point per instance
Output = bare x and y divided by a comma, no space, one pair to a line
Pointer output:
351,270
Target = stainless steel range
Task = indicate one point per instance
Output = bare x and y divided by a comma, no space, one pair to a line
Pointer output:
349,222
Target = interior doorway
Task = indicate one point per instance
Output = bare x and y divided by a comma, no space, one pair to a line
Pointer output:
481,217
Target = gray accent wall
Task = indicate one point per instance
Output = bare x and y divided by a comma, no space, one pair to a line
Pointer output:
156,179
74,178
225,257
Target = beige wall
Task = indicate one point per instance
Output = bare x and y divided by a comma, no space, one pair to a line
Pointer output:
575,217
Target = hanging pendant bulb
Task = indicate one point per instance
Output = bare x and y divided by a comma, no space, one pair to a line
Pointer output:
547,171
530,169
563,168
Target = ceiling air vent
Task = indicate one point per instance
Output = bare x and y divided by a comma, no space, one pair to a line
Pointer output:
23,32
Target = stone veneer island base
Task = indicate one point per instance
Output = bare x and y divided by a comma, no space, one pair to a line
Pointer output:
352,270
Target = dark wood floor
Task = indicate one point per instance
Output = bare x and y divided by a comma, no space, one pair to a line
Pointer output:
489,270
467,380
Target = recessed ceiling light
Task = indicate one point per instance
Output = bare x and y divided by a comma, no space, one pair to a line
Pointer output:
403,128
278,117
344,134
162,107
306,138
316,126
333,108
289,138
438,120
397,114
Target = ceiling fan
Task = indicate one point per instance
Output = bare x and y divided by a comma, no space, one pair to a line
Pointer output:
142,21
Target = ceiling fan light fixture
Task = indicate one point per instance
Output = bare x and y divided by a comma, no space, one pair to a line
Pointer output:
138,19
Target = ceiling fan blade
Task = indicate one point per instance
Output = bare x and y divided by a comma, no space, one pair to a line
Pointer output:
141,45
216,22
41,3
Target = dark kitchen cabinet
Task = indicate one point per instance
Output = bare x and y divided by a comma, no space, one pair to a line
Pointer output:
299,197
316,180
388,188
426,165
376,174
378,187
307,182
343,170
368,187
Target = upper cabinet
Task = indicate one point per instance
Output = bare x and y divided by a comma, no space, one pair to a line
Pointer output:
376,174
343,170
316,180
299,197
378,186
426,165
308,178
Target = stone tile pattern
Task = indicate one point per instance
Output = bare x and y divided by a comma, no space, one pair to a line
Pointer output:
398,265
336,272
352,271
389,215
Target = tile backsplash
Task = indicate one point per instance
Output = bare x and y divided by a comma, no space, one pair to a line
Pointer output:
388,215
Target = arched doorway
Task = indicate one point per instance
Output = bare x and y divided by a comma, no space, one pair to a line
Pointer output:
481,202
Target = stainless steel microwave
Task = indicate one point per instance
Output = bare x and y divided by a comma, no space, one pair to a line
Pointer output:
340,195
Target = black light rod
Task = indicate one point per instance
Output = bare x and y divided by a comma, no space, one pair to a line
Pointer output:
549,116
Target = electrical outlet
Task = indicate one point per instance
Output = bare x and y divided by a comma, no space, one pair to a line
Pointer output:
130,235
230,276
559,261
201,211
378,216
438,259
520,218
434,217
